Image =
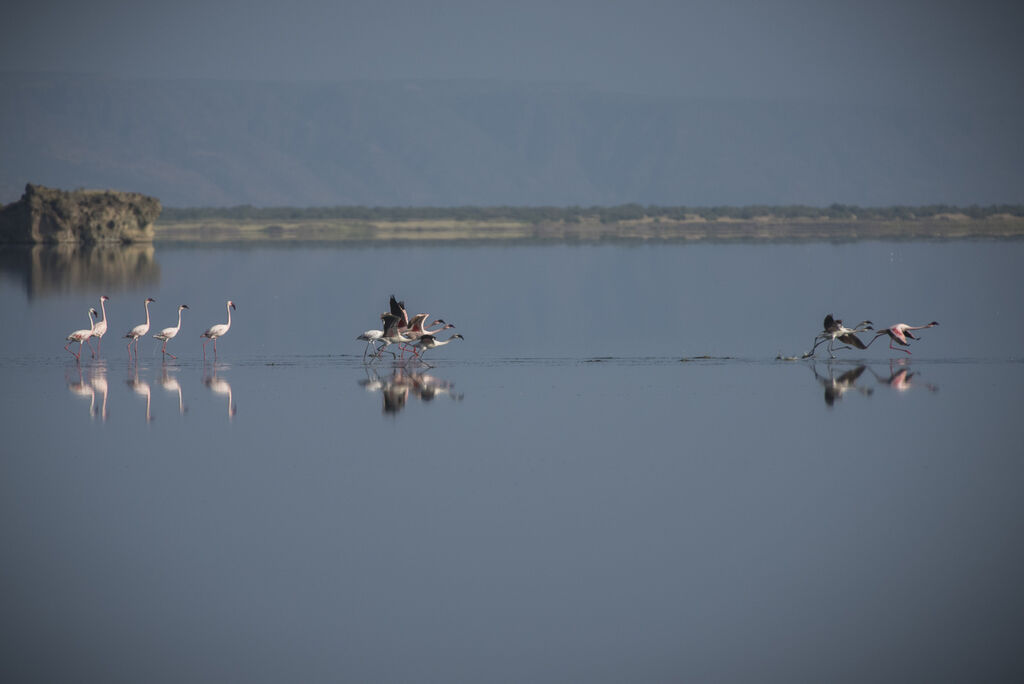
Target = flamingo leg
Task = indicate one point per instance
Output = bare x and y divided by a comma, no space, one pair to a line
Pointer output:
896,348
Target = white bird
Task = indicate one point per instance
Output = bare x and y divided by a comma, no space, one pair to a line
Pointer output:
429,342
169,333
371,336
100,329
138,331
81,336
219,330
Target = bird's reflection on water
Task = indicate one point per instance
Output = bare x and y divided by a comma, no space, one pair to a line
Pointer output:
171,384
838,385
403,382
141,387
53,269
90,385
88,380
840,380
901,377
219,385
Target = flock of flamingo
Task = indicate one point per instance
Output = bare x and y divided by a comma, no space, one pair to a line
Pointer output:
411,335
98,328
833,329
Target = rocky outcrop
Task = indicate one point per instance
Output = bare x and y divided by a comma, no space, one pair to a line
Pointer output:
48,215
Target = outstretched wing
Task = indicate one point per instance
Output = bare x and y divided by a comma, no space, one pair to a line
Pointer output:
852,340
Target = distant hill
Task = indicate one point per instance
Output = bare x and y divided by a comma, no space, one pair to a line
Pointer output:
209,143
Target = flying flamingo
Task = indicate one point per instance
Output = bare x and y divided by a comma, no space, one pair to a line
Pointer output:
416,328
391,334
169,333
398,310
100,329
215,331
900,333
81,336
428,341
835,330
138,331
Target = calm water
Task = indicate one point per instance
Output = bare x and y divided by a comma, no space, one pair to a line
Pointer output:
570,494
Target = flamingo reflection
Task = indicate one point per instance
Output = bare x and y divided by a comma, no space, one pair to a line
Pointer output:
141,387
402,383
220,386
171,384
99,384
837,386
900,379
79,387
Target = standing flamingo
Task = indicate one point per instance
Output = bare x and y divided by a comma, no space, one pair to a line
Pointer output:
215,331
900,333
138,331
81,336
169,333
100,329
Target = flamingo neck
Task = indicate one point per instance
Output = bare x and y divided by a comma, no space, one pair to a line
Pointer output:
103,308
147,314
179,320
229,316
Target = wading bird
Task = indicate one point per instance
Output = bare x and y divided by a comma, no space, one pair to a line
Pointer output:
138,331
391,334
900,333
372,336
835,330
428,341
81,336
215,331
169,333
100,329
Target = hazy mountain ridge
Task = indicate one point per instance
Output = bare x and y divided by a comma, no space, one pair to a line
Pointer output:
209,143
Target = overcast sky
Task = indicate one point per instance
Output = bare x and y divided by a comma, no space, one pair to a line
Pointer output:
752,48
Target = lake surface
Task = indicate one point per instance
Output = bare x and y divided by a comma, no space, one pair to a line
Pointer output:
612,478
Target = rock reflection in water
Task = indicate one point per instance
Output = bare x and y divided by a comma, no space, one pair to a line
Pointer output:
402,383
54,269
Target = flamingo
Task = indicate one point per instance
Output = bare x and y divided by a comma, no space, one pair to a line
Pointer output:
138,331
371,336
834,329
428,341
81,336
219,330
100,329
398,310
391,334
900,333
169,333
416,329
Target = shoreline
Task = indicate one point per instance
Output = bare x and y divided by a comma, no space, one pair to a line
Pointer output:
509,231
